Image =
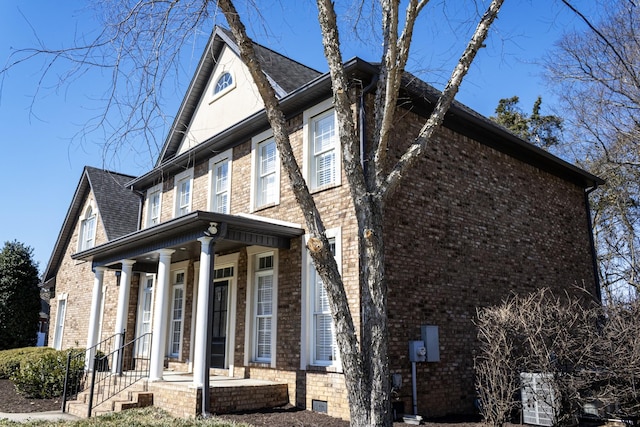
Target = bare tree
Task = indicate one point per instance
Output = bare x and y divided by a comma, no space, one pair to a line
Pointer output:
597,75
554,340
364,355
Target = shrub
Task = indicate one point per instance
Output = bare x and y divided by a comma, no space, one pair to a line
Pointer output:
10,359
41,376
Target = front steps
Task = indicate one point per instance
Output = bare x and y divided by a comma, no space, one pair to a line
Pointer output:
135,396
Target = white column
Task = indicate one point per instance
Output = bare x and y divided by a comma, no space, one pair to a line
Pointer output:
123,308
160,316
94,316
200,370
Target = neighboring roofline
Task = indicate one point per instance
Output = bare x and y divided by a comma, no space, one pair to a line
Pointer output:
66,231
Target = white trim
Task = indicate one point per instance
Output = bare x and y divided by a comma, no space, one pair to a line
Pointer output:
174,285
230,260
144,278
101,316
213,162
250,345
179,178
307,337
214,83
147,207
82,221
308,117
255,142
194,311
60,320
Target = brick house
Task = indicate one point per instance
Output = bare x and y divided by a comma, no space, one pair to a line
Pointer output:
484,214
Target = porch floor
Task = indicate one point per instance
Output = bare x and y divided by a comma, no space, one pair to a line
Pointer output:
177,394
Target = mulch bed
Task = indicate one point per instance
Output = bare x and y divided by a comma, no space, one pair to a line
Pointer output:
11,401
287,416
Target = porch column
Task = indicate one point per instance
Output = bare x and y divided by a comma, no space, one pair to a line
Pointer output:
159,336
200,368
94,316
123,310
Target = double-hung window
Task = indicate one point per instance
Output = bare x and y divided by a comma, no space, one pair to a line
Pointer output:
87,230
263,307
220,183
182,190
265,172
322,148
318,331
154,200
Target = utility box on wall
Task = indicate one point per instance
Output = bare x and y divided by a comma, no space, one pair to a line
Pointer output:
431,339
417,351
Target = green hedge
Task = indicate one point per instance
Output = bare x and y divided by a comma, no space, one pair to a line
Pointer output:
41,376
10,359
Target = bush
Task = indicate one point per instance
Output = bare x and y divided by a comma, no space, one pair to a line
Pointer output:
41,376
10,359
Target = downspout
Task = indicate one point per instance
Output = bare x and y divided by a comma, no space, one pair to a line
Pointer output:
594,257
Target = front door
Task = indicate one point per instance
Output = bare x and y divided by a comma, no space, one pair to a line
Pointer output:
219,340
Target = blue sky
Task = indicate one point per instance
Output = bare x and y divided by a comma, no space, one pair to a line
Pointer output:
40,123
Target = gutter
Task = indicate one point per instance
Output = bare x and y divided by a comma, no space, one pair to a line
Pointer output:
592,245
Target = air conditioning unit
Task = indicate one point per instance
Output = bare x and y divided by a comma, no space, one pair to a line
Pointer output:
538,399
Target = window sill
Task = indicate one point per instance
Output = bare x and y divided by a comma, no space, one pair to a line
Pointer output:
325,188
331,369
260,364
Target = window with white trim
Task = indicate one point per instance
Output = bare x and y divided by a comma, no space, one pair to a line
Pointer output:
261,316
176,315
266,173
60,316
87,236
322,148
263,295
224,81
220,183
183,192
154,200
319,337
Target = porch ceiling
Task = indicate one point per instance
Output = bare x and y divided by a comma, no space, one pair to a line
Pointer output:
181,234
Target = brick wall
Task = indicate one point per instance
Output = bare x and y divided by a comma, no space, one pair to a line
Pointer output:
470,226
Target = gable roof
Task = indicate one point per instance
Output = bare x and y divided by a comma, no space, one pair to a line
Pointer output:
284,73
118,205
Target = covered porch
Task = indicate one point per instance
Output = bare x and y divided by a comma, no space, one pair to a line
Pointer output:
195,238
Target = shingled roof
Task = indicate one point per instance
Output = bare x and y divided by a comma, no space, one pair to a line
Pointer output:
118,206
285,75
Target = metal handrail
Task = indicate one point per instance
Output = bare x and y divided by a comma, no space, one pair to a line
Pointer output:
74,378
106,383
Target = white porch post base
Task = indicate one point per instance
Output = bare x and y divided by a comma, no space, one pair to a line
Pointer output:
156,364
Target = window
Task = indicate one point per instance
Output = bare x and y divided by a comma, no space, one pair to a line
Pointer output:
220,183
176,315
318,332
144,316
322,153
60,315
223,82
182,191
266,172
154,199
262,305
87,230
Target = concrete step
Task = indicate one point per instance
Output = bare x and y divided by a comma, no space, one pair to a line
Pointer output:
129,398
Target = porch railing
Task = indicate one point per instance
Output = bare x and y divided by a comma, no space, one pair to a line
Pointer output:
77,368
118,370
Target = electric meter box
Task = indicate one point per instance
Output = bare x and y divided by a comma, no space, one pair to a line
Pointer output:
417,351
431,340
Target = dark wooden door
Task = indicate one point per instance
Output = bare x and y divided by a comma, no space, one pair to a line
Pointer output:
219,340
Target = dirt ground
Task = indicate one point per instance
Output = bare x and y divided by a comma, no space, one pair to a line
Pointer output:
289,416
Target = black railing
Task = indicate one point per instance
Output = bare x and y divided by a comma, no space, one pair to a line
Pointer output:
77,367
118,370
